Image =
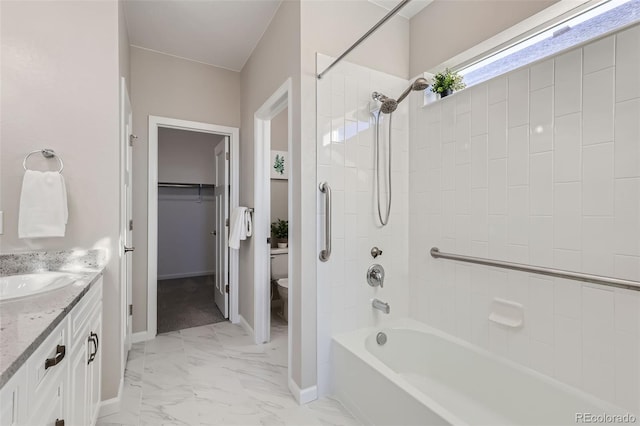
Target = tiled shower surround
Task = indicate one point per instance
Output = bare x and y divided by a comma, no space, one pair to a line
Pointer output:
345,160
540,166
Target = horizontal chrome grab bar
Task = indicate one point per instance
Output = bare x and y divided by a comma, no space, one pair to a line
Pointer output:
552,272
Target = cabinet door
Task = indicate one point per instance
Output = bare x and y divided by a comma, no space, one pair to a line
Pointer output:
50,410
78,414
13,400
95,367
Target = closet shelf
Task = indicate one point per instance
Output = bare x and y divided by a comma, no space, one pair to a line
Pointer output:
185,185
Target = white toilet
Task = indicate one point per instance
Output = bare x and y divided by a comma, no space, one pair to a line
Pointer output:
279,271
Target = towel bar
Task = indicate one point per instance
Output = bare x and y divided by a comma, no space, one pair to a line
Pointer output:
46,153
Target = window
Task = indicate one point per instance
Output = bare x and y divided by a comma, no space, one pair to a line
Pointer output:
598,20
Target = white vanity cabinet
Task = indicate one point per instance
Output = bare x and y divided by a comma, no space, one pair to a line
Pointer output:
85,362
59,385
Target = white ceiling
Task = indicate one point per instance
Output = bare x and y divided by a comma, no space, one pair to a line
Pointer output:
408,11
214,32
220,33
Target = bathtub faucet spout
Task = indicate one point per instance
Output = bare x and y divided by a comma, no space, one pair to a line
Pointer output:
380,305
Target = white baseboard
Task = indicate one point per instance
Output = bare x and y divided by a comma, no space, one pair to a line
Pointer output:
303,396
185,275
141,336
111,406
243,322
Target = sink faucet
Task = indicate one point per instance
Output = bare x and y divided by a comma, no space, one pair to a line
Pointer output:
380,305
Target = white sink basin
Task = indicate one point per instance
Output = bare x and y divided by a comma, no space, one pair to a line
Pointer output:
15,286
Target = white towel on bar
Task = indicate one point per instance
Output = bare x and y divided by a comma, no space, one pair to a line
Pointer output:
43,205
238,226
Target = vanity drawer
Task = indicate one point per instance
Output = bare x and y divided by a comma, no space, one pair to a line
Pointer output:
48,362
81,314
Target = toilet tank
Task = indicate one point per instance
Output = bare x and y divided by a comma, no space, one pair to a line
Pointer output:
279,263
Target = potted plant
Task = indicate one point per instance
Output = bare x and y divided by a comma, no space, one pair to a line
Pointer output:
446,82
280,230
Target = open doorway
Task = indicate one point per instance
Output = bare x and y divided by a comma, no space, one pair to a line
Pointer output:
266,117
193,179
279,189
190,265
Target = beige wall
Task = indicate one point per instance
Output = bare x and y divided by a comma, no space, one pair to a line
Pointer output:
331,26
433,41
123,45
275,59
60,90
163,85
279,187
186,157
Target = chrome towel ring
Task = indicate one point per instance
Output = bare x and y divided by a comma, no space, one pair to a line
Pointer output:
46,153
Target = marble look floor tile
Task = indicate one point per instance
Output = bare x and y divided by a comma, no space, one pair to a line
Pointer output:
201,331
169,411
130,403
134,369
163,343
330,411
215,375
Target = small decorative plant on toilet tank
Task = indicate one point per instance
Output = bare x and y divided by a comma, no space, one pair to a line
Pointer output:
280,232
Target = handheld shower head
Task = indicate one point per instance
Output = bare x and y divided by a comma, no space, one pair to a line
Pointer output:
418,85
388,105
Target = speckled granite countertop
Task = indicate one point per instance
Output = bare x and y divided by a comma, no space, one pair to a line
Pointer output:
25,323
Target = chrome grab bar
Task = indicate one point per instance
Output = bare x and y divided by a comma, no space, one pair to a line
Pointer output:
326,253
552,272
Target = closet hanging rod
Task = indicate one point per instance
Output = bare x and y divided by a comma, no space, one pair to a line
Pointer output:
373,29
185,185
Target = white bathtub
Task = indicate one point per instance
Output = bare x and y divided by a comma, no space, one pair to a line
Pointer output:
422,376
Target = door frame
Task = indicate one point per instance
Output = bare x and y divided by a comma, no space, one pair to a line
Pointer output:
282,98
221,231
233,133
125,285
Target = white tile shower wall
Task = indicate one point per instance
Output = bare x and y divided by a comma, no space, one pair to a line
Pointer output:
345,160
548,173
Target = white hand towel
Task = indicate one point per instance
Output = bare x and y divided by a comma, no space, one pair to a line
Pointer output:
43,205
237,227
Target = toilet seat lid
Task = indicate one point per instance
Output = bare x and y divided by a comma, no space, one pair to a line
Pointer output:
283,282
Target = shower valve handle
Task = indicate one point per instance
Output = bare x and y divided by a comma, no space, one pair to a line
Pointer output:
375,276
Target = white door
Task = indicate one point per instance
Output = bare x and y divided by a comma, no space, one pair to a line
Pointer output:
221,231
126,215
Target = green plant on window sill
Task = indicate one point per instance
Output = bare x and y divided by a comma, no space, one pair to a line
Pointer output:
280,229
446,82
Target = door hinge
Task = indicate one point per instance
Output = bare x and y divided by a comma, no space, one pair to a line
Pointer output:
226,222
131,139
268,240
226,154
226,288
130,309
131,225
